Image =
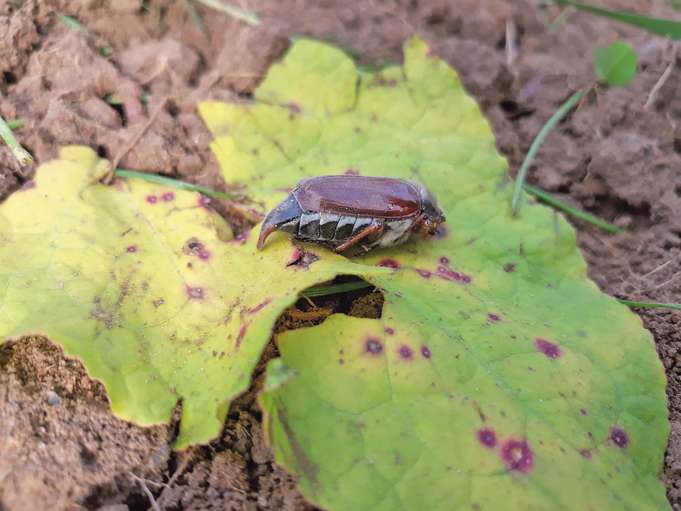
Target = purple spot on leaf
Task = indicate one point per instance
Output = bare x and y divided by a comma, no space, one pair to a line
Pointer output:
302,258
444,260
390,331
424,273
389,263
204,201
131,249
487,437
509,267
405,352
152,199
517,455
425,351
493,317
242,334
445,273
548,348
260,306
204,254
619,437
168,196
583,411
294,108
195,293
586,453
351,172
373,346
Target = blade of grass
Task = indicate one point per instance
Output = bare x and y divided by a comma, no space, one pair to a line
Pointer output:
73,24
15,124
536,144
660,26
650,305
333,289
175,183
195,17
571,210
22,155
235,12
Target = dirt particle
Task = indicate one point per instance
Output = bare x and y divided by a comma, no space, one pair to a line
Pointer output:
373,346
389,263
405,352
53,398
517,455
619,437
548,348
487,437
425,351
195,293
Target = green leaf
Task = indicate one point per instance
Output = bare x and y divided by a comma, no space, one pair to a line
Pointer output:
660,26
616,63
498,375
136,280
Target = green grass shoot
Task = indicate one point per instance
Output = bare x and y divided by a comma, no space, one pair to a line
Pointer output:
650,305
20,154
235,12
571,210
660,26
175,183
536,144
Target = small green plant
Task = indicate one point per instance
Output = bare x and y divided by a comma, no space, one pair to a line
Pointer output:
616,63
22,156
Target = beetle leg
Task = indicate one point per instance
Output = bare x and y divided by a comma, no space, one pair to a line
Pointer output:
371,229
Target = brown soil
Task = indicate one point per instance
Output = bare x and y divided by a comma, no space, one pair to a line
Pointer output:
61,447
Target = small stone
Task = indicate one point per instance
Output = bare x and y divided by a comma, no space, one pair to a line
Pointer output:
53,398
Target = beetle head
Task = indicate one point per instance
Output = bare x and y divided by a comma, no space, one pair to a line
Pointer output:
433,216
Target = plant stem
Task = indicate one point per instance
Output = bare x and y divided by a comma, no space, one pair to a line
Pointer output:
22,155
571,210
536,144
333,289
246,16
176,183
15,124
650,305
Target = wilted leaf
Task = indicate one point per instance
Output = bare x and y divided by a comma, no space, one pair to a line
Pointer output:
616,63
498,375
134,280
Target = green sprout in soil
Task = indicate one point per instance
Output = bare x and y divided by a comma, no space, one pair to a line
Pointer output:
73,24
22,155
660,26
235,12
571,210
536,144
176,183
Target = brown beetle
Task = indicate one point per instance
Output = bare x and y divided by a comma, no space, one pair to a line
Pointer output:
349,211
